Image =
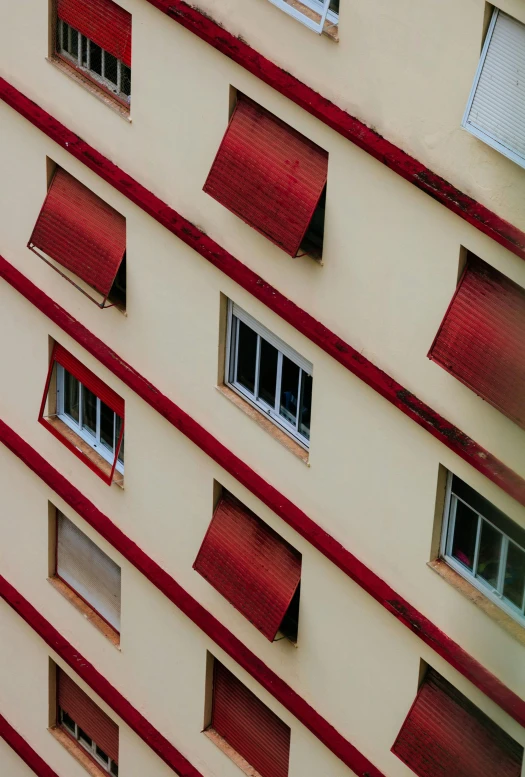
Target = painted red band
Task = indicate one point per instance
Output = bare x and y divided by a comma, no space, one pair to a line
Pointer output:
328,341
24,750
346,125
368,580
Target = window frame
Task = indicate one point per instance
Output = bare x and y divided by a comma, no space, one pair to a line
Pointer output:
92,751
94,441
235,313
101,80
447,539
321,7
468,125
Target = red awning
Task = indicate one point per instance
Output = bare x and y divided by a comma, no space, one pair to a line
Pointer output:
102,21
81,232
250,565
268,174
445,735
481,340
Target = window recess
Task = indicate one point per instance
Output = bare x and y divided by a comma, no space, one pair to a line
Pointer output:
269,374
87,724
495,110
485,547
273,178
257,571
481,339
318,15
80,235
80,403
94,36
445,734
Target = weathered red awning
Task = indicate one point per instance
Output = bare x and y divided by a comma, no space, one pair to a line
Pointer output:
81,232
481,340
268,174
102,21
445,735
250,565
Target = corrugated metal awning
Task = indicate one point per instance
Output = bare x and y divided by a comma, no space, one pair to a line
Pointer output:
250,565
481,340
81,232
445,735
102,21
268,174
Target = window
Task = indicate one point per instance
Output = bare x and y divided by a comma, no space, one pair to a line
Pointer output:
485,546
318,15
273,178
94,36
445,734
496,103
248,726
82,238
87,724
88,571
256,570
269,374
82,404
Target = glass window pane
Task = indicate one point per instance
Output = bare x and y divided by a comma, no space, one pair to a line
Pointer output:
268,373
95,63
73,49
465,531
117,435
102,755
83,737
110,67
305,405
89,410
84,50
114,768
68,722
125,80
71,396
514,575
247,352
489,554
107,425
289,390
334,6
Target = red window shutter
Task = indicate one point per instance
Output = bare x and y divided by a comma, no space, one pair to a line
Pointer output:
250,565
81,232
104,22
89,379
268,174
445,735
86,714
481,340
247,724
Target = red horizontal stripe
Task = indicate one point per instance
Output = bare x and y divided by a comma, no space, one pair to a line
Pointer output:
463,445
408,615
24,750
346,125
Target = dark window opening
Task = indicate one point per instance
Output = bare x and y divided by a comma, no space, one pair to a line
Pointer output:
313,240
290,623
117,295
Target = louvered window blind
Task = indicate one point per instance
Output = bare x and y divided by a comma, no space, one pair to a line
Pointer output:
496,107
88,571
248,726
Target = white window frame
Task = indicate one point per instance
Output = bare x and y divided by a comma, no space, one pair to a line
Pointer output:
322,7
447,538
65,29
94,441
92,750
478,132
235,312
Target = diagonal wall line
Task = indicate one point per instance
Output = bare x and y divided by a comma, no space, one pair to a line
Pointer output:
24,750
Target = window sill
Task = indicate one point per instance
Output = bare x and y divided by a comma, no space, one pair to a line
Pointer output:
78,752
265,423
90,86
81,447
512,627
228,750
88,612
330,30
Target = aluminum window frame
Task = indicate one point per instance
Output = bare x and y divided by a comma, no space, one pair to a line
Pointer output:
92,750
447,539
94,441
235,313
472,128
321,7
64,28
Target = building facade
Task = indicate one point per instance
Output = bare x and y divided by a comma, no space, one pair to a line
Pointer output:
279,249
